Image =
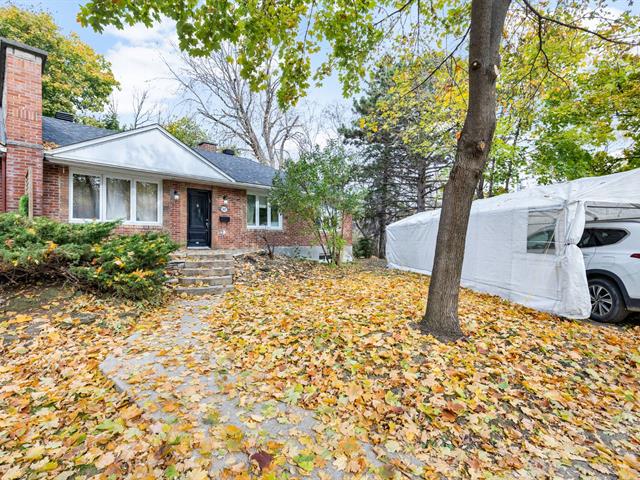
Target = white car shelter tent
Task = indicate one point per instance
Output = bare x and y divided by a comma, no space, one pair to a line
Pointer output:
522,246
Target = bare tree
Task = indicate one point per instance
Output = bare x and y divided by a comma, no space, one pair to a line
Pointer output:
143,112
319,125
254,119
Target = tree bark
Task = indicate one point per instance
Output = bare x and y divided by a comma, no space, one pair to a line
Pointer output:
382,215
492,176
487,24
421,186
480,187
511,159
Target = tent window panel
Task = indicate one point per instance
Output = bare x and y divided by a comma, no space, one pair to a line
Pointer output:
541,231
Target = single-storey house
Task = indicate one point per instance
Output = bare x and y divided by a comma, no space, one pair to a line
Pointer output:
77,173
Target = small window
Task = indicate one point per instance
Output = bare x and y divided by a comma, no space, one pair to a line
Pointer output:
146,202
86,197
609,236
261,214
541,231
275,217
118,199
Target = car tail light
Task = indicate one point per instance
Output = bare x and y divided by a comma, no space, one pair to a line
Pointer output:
635,255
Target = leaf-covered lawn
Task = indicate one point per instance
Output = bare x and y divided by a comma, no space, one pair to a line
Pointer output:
526,395
59,416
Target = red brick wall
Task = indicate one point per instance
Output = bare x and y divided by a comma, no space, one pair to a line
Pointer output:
55,198
23,103
234,234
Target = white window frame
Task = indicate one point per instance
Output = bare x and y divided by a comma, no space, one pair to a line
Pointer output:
257,225
103,196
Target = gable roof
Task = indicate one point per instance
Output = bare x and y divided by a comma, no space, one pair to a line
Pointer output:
149,149
243,170
63,132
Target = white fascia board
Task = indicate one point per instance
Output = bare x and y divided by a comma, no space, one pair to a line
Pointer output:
64,152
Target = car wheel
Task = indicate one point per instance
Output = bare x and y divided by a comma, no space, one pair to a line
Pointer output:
607,304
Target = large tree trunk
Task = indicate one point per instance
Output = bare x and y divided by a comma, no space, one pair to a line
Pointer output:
487,23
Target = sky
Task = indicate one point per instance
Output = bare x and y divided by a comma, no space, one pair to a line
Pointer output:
136,55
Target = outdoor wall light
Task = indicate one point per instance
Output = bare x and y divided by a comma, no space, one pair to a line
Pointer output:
176,195
224,200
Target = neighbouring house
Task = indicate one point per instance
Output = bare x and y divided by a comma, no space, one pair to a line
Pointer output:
77,173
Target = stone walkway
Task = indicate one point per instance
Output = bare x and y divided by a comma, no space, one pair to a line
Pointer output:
173,373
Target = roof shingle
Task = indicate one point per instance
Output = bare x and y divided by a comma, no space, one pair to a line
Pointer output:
243,170
63,133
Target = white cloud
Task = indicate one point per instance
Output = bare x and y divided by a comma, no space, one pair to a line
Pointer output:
138,63
139,34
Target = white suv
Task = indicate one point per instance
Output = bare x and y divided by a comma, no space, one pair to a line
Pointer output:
612,257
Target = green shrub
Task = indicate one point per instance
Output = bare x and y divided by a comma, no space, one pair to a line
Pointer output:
87,254
363,248
129,265
23,206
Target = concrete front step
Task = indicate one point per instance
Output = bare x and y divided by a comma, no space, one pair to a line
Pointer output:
206,290
182,254
204,264
224,280
202,272
206,272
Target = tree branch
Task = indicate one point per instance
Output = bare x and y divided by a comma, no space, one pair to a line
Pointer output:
544,17
439,66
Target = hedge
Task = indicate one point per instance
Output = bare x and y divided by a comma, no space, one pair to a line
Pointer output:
87,254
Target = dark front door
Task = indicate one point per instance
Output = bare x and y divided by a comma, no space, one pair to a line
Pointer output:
199,219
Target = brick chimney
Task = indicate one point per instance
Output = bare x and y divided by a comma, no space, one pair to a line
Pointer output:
208,146
21,68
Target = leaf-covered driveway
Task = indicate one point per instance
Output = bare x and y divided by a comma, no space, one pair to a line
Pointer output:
327,377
